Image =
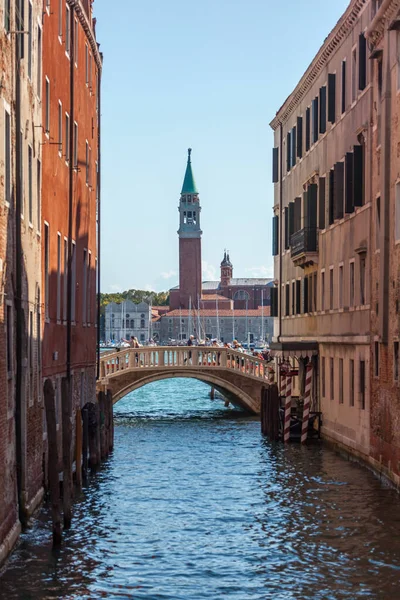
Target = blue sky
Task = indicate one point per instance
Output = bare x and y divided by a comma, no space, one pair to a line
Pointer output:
210,75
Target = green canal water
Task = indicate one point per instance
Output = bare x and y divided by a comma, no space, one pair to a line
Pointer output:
194,504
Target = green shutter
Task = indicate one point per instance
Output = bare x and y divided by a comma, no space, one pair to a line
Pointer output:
322,109
362,62
349,187
358,176
274,302
291,220
331,97
338,190
299,148
321,203
275,235
275,165
308,128
288,152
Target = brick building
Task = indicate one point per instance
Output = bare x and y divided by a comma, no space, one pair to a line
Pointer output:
20,257
72,67
335,170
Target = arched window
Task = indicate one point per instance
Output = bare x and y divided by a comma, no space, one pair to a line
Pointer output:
189,198
184,218
241,295
142,324
132,324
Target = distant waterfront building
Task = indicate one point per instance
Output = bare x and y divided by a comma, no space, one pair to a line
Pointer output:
336,228
128,319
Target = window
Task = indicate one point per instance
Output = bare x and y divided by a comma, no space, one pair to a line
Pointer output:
331,288
7,15
89,288
73,283
351,282
332,378
58,276
323,377
60,20
315,120
398,61
354,75
341,286
287,299
340,380
362,62
275,235
275,165
322,109
90,71
322,290
8,190
351,382
87,162
75,157
142,324
84,291
21,171
298,296
86,64
343,86
65,279
315,286
60,128
241,295
31,352
20,26
30,184
362,384
397,213
396,361
10,348
67,29
38,192
30,41
377,222
362,280
67,137
376,359
308,128
331,97
46,270
76,41
39,63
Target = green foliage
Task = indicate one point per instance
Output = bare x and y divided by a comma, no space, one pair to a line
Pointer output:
137,296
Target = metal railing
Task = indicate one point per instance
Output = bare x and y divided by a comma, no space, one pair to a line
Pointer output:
182,357
304,240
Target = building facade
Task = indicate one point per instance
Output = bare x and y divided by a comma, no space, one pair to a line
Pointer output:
72,67
21,488
128,319
335,168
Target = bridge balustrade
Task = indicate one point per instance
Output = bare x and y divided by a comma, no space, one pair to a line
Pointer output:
193,358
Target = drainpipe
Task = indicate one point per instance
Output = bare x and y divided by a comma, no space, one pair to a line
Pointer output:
19,430
98,217
70,291
280,232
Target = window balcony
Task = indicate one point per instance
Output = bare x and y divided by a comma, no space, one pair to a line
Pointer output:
304,247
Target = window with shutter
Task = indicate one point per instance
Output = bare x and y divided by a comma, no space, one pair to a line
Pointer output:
315,120
338,190
291,220
322,109
331,212
275,235
312,206
293,147
349,201
308,129
287,299
331,97
287,240
358,176
305,210
275,165
297,214
362,62
321,203
299,137
288,152
298,296
274,301
293,298
343,103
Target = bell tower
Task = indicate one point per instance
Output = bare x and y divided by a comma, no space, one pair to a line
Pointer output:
226,270
189,241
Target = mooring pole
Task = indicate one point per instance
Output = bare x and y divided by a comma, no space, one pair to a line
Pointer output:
49,403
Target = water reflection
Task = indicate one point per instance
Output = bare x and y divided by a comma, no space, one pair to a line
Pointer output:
195,504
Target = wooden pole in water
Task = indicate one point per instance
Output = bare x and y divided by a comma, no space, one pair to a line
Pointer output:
66,445
111,412
49,403
78,452
212,393
288,409
92,435
102,424
85,441
98,441
306,406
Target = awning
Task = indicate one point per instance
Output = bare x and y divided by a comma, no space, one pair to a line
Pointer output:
293,349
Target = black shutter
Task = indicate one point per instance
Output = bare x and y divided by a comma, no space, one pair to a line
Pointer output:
293,298
312,206
297,214
275,235
291,220
358,176
321,203
343,86
308,127
338,190
299,137
274,302
315,120
287,240
275,165
293,147
305,210
331,213
349,203
288,153
331,97
298,296
322,109
305,298
362,62
287,299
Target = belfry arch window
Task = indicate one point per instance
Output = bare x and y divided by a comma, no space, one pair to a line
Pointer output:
189,219
184,218
194,218
189,198
241,295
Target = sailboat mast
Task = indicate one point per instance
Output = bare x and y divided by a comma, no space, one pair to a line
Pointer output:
180,323
262,315
190,317
218,335
233,322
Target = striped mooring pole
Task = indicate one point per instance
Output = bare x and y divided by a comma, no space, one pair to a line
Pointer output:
307,402
288,409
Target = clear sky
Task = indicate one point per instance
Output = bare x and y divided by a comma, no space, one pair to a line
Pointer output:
209,74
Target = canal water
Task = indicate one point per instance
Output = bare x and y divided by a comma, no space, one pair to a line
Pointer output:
194,504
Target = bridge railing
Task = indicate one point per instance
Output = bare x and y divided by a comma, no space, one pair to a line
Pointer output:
190,357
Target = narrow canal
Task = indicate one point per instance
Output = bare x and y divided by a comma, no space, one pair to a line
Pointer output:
195,504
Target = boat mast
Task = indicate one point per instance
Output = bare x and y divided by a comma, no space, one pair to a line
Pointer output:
262,315
180,323
198,318
233,322
190,317
218,333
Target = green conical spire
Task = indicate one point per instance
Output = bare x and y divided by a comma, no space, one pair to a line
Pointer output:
189,185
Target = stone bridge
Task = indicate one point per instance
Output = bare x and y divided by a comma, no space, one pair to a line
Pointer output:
238,376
